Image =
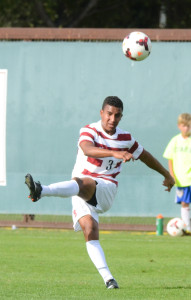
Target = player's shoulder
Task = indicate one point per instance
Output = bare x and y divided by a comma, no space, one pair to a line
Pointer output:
176,137
120,131
123,134
92,127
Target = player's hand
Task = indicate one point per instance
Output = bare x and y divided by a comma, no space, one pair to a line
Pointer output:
169,183
124,155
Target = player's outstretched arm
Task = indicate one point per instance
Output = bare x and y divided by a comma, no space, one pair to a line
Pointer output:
154,164
90,150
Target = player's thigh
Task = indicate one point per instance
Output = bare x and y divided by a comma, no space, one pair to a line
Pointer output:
87,187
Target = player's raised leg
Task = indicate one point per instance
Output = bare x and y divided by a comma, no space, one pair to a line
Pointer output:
35,188
84,187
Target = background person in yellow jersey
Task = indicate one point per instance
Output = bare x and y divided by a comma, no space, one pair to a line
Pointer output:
178,153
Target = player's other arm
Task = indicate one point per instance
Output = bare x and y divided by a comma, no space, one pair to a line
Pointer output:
90,150
154,164
170,166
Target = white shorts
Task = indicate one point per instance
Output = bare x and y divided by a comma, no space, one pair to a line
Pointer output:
105,194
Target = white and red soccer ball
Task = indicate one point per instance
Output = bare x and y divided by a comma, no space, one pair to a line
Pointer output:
176,227
136,46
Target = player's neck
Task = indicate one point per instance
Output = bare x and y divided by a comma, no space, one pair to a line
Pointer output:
185,136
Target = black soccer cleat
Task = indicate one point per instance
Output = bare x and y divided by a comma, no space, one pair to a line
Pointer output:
34,187
112,284
186,232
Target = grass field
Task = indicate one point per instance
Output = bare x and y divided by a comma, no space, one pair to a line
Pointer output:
53,264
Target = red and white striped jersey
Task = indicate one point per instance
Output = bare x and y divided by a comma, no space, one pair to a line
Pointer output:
106,168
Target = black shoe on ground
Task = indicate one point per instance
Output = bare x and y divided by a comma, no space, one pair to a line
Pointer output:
34,187
186,232
112,284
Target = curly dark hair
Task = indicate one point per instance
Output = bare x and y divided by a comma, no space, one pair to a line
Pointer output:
112,101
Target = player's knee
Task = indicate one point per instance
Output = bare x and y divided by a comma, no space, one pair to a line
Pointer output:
82,188
79,182
91,232
89,229
184,204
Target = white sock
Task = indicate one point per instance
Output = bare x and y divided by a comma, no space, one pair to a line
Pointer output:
61,189
185,215
97,256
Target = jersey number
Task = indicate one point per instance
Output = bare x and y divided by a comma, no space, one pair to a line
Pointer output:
110,165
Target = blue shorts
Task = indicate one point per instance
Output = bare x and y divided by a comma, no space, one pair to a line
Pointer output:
183,194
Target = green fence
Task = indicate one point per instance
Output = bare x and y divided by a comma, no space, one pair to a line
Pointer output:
54,88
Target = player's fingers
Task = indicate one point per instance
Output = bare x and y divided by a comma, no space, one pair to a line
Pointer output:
127,159
169,188
129,156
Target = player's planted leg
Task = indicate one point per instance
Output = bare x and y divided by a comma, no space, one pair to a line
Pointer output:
112,284
185,215
95,251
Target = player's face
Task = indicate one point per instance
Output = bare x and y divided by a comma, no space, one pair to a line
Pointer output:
110,117
185,129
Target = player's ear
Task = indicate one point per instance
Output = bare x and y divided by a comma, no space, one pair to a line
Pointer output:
121,117
101,112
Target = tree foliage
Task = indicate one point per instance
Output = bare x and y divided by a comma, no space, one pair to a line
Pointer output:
95,13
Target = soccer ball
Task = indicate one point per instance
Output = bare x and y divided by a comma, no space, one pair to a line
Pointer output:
137,46
176,227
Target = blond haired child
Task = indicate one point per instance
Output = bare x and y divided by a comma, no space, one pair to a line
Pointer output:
178,153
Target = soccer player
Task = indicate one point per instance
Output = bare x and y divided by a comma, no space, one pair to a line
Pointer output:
178,153
102,148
